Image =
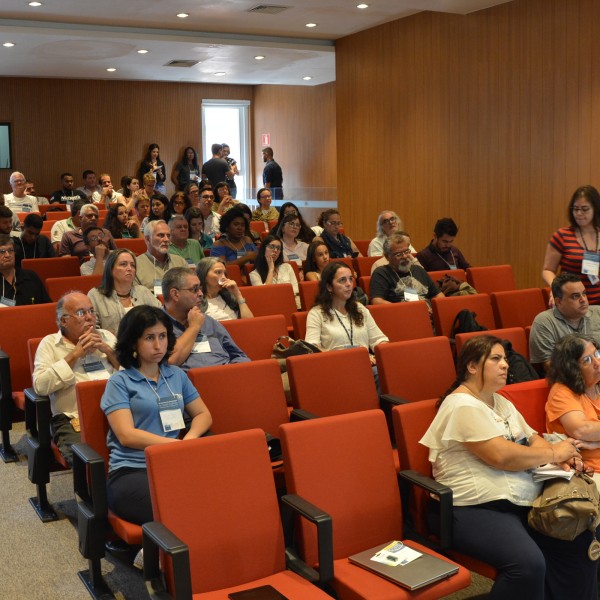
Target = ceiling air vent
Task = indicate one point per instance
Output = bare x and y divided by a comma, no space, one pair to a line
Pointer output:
268,9
182,63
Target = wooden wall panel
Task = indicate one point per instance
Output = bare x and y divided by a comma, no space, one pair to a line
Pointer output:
492,118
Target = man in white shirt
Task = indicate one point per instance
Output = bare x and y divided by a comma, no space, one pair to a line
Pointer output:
18,200
71,224
78,352
107,195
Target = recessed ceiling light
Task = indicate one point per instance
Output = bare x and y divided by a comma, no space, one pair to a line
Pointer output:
259,57
307,78
362,6
35,3
220,73
142,51
8,44
111,69
183,15
311,24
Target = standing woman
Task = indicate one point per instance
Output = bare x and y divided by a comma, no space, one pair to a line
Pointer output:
576,248
234,246
293,249
145,405
339,245
317,258
223,297
119,224
117,294
481,447
269,266
152,164
187,170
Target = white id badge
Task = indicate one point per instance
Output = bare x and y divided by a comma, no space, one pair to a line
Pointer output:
411,295
241,253
157,287
96,370
453,267
201,346
590,265
8,301
170,414
294,258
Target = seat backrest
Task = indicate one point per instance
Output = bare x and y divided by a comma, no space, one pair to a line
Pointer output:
64,266
32,346
403,321
496,278
530,399
364,282
344,465
307,291
299,324
234,272
45,209
258,226
363,264
217,494
416,369
363,246
332,383
18,324
459,274
274,299
59,286
136,245
446,309
517,308
256,336
257,401
347,260
515,335
93,422
57,215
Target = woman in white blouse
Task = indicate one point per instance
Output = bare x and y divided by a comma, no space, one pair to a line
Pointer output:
338,320
293,248
270,268
222,296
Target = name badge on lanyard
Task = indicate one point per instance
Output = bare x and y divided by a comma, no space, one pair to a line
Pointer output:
96,370
453,267
157,287
590,266
411,295
201,345
241,253
171,415
8,301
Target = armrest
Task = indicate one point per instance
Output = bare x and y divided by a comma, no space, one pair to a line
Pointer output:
301,415
157,537
37,416
89,479
388,401
6,403
442,492
291,504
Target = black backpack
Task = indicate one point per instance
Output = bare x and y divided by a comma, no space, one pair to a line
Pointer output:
519,368
465,322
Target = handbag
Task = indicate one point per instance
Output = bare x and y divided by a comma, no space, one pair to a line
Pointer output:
565,509
285,346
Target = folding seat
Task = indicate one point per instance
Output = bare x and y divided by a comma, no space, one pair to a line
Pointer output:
459,274
257,336
234,272
363,246
403,321
446,309
496,278
364,283
44,209
515,335
517,308
55,215
530,399
216,517
416,369
59,286
307,290
363,264
258,226
63,266
274,299
343,466
299,324
136,245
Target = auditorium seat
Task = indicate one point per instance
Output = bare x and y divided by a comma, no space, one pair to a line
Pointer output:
446,309
64,266
517,308
403,320
59,286
496,278
530,399
515,335
274,299
363,246
136,245
307,290
459,274
363,264
256,336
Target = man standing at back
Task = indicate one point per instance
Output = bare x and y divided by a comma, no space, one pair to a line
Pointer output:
216,169
272,174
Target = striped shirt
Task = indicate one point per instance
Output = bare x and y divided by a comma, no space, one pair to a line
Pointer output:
565,241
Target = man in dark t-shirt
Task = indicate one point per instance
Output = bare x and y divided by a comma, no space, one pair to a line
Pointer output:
216,169
272,174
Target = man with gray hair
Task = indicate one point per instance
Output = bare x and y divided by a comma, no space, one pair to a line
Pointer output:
71,224
401,280
388,222
78,352
18,200
181,244
152,266
72,243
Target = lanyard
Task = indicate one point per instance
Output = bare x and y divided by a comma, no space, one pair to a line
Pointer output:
24,251
351,333
583,240
14,287
409,274
157,383
453,259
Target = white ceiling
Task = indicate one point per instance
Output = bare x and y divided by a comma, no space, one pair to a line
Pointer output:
82,38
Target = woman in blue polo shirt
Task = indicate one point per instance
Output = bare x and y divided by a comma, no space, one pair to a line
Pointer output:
144,405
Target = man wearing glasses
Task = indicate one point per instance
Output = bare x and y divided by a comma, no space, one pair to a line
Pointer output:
78,352
401,280
93,238
211,218
18,286
19,201
201,341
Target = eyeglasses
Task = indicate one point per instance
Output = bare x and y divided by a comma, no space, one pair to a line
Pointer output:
82,312
293,225
335,223
389,221
90,215
4,251
587,360
274,247
268,197
581,209
207,196
194,289
401,253
95,238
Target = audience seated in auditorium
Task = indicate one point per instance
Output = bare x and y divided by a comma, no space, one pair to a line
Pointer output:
131,192
30,191
224,201
306,234
221,295
18,200
571,313
31,244
294,249
235,246
201,341
206,198
93,238
90,183
78,352
401,280
265,212
9,222
118,293
71,223
388,222
195,220
141,207
132,403
66,194
317,258
181,244
152,265
179,203
120,224
107,195
339,245
72,241
441,254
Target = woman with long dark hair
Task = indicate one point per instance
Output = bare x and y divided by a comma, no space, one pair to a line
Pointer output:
119,224
187,169
152,164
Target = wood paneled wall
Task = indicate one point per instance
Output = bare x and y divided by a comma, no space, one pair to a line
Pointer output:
491,118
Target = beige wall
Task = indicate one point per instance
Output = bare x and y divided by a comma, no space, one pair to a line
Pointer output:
491,118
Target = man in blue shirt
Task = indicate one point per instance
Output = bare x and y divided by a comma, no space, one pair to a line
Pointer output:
201,341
